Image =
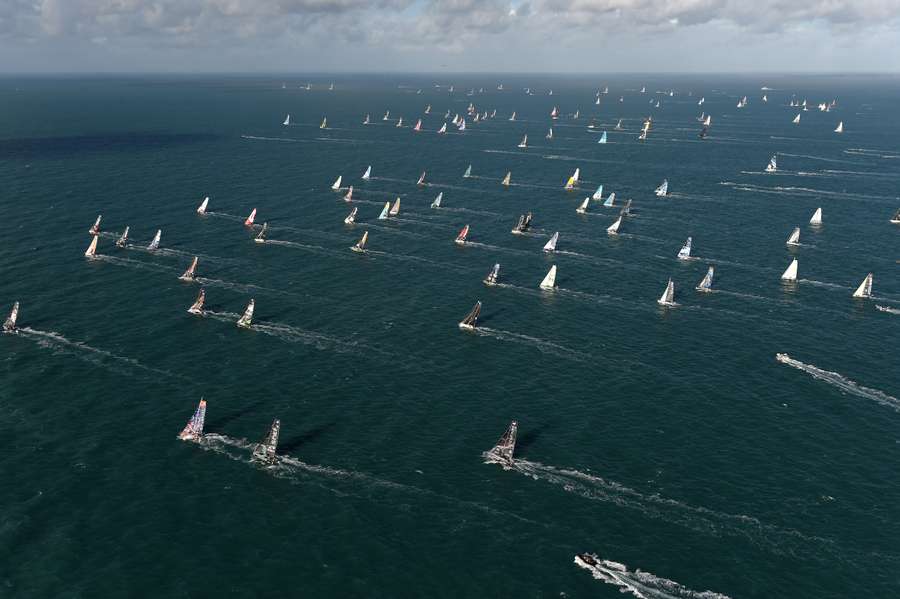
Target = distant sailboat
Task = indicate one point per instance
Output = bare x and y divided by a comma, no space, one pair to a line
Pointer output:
613,229
577,114
190,272
348,197
602,139
598,195
385,211
816,218
462,124
522,225
610,200
865,288
387,116
247,319
400,123
367,120
549,281
505,448
685,252
468,172
461,237
351,218
706,284
701,101
790,274
583,208
249,221
513,117
663,190
471,319
554,114
154,244
618,126
493,277
360,247
437,201
573,180
524,142
201,210
550,133
550,246
839,128
506,179
337,183
9,325
668,296
122,241
395,209
896,218
193,431
794,239
772,167
443,128
796,120
324,124
264,451
197,306
261,237
707,121
95,228
287,120
428,109
421,180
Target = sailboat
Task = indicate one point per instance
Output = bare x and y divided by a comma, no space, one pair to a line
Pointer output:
790,273
493,277
360,247
506,179
462,124
461,238
505,448
189,273
583,208
598,195
668,296
261,237
348,197
896,218
513,117
287,120
610,200
250,219
613,229
685,252
471,319
367,120
197,306
522,224
549,281
193,431
201,210
839,128
663,190
400,123
9,325
443,129
524,142
550,133
154,244
351,218
421,180
773,164
706,284
437,201
368,174
577,114
550,246
123,240
324,124
468,172
428,109
573,180
701,101
602,139
707,121
384,211
865,288
331,87
95,228
264,451
794,239
618,126
597,101
337,183
387,116
554,114
395,209
796,120
247,319
816,219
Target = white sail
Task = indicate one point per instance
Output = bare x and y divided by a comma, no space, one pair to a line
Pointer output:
506,179
360,246
421,180
95,228
265,451
668,296
462,124
387,115
287,120
706,284
468,172
663,189
550,246
794,239
400,123
351,218
618,126
816,217
197,306
367,120
505,448
384,211
610,200
839,128
602,139
708,120
154,245
202,208
251,218
796,120
613,229
123,240
513,117
524,142
10,323
773,164
896,218
685,252
247,319
471,319
550,133
865,288
598,195
701,101
549,281
368,174
190,272
261,237
443,128
437,201
494,276
584,206
626,209
790,274
324,124
337,183
395,209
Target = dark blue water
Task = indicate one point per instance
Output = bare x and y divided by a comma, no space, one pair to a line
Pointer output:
669,440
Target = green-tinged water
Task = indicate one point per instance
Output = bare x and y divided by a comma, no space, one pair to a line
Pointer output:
670,440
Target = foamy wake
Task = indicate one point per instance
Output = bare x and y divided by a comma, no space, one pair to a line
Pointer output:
638,583
295,335
243,288
887,309
542,345
841,382
129,263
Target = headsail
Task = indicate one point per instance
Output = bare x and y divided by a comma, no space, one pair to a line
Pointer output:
506,446
461,237
193,431
816,217
92,249
265,450
493,277
471,319
197,306
865,288
360,246
95,228
613,229
549,281
247,319
123,240
685,252
261,237
794,239
351,218
190,272
668,296
706,283
9,324
250,219
202,208
550,246
790,274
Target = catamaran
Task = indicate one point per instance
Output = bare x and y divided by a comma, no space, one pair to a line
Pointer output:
524,142
264,451
493,277
95,229
324,124
360,247
421,180
796,120
287,120
368,174
9,325
193,431
385,211
610,200
550,133
437,201
154,244
839,128
122,241
706,284
602,139
202,209
351,218
685,252
197,306
395,209
790,273
865,288
663,190
816,218
550,246
461,238
250,219
613,229
794,239
549,281
506,179
573,180
261,238
471,319
190,272
598,195
337,183
348,197
583,207
772,167
247,319
468,172
668,296
503,451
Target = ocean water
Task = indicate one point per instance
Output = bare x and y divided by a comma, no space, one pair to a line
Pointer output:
668,440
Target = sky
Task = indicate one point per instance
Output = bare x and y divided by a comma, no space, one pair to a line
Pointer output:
565,36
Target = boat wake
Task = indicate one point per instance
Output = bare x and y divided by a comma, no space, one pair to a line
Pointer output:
409,258
804,190
129,263
542,345
394,230
315,249
640,584
841,382
823,284
318,340
243,288
887,309
487,246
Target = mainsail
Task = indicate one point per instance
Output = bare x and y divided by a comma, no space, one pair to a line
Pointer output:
549,281
190,272
337,183
494,276
197,306
360,246
10,323
261,237
865,288
421,180
202,208
524,142
598,195
816,217
250,219
550,246
123,240
790,274
368,174
437,201
613,229
773,164
668,296
461,238
602,139
663,189
685,252
506,446
506,179
471,319
351,218
706,283
247,319
193,431
395,209
95,228
610,200
468,172
348,197
582,209
154,244
265,450
794,239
